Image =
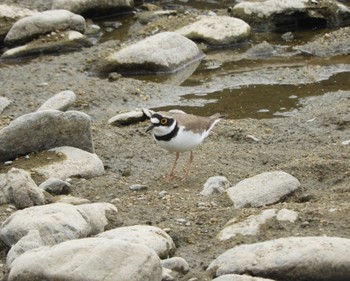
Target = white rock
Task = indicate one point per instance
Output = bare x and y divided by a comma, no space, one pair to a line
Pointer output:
61,101
92,259
43,130
83,6
263,189
287,215
150,236
52,224
176,264
21,190
28,28
292,258
217,184
138,187
76,162
346,142
237,277
4,102
217,30
127,118
68,199
9,15
164,52
69,41
250,226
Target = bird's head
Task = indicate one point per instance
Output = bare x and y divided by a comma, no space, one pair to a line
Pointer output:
161,124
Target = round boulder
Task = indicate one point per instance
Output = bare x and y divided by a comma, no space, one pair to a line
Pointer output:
165,52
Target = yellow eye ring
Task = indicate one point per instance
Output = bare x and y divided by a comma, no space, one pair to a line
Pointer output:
163,121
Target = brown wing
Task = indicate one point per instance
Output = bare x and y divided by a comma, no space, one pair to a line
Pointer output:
195,123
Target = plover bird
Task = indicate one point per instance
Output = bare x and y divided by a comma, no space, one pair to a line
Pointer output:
179,132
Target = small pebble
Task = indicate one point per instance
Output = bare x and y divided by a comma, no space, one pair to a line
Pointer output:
163,193
138,187
7,163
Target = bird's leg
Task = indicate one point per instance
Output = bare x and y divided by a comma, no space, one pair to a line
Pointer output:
171,175
189,165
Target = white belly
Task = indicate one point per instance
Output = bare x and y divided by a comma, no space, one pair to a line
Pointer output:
184,141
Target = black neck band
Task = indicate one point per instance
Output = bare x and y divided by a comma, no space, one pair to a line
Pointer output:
169,136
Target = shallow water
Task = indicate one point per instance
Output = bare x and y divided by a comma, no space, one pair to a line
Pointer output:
253,98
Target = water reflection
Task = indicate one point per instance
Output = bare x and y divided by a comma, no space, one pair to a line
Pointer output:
261,101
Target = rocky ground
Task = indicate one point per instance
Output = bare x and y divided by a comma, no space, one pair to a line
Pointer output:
309,145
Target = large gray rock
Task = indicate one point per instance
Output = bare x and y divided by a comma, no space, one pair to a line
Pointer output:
292,258
92,259
44,130
263,189
73,162
150,236
65,41
217,30
278,13
52,224
30,27
164,52
21,191
95,6
9,15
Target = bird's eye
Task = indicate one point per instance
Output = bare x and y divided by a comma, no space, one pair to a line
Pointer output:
163,121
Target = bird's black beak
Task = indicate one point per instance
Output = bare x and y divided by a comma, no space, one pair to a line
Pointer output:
150,128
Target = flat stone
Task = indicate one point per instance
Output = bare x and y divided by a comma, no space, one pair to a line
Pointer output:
276,13
127,118
94,6
263,189
75,163
61,101
65,41
28,28
43,130
237,277
150,236
291,258
165,52
92,259
217,30
287,215
250,226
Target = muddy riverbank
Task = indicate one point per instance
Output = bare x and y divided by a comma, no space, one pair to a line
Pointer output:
309,144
